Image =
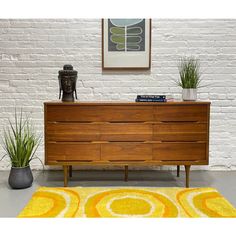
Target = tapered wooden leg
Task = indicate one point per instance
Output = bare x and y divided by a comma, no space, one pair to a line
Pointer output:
65,168
178,168
70,171
187,170
126,173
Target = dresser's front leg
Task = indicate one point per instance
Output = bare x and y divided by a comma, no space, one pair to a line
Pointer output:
65,168
178,169
187,170
70,171
126,173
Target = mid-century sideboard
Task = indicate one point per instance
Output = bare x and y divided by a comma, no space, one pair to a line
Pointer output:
126,133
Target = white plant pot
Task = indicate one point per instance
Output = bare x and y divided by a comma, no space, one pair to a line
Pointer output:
189,94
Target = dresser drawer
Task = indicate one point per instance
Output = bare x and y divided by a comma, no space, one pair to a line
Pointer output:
126,132
179,151
72,132
73,152
90,113
181,113
126,151
180,131
127,113
73,113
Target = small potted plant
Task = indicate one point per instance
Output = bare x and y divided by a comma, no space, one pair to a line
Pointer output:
20,143
189,71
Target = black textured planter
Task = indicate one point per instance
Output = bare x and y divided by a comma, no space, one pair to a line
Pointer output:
20,177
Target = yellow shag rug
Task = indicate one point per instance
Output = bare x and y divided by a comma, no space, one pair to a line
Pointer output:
127,202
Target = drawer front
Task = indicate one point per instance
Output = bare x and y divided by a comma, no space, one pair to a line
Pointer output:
180,131
72,132
126,132
127,113
181,113
73,152
72,113
126,151
179,151
90,113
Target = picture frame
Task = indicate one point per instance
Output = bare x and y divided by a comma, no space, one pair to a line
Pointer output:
126,44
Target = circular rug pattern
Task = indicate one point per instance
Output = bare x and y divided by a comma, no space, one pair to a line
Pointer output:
204,202
56,202
129,203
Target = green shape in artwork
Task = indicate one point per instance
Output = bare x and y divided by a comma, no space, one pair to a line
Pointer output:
133,39
120,46
134,30
118,39
117,30
133,47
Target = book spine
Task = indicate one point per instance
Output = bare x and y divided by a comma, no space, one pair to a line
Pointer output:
151,96
150,100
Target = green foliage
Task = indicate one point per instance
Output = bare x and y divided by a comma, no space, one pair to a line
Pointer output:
20,142
189,71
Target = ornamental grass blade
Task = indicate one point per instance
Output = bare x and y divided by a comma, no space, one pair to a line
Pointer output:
20,142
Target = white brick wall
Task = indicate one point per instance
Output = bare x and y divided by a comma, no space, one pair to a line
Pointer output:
32,52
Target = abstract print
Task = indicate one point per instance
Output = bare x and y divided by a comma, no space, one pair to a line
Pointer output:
126,35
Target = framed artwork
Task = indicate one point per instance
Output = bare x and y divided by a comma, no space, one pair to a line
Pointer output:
126,43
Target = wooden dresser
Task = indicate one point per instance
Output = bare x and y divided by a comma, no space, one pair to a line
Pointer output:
126,133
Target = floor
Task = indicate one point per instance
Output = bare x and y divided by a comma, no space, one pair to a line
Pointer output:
13,201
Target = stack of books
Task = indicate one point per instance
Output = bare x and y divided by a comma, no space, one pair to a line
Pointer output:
151,98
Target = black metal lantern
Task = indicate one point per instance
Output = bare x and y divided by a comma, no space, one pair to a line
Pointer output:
67,83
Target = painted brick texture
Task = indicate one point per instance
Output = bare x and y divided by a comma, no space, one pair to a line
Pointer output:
33,50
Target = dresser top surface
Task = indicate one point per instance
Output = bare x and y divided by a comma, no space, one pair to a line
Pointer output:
126,103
